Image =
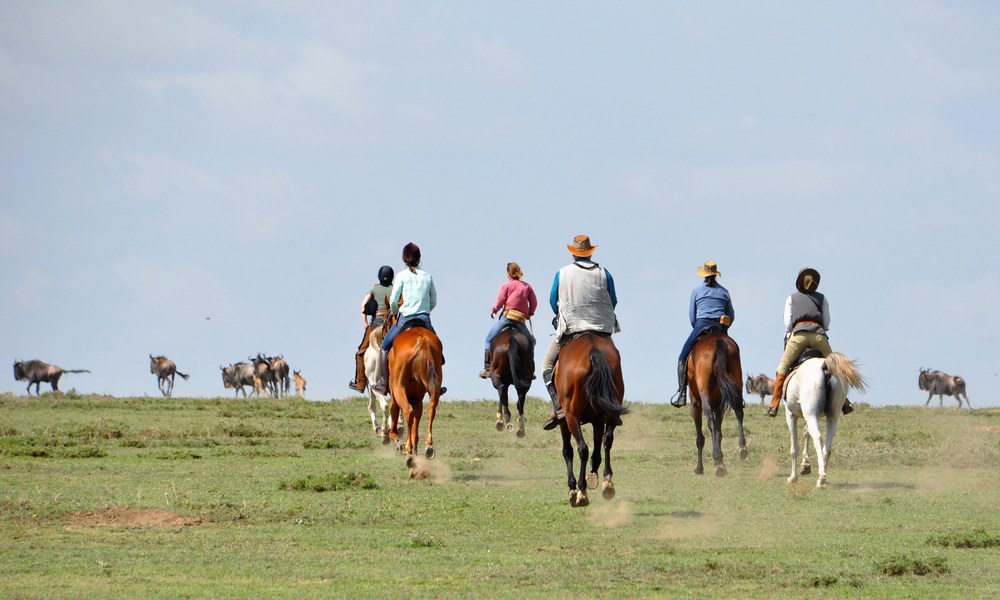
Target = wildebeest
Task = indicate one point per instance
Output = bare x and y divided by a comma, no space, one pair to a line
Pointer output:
273,372
164,369
36,371
762,385
936,382
300,383
235,376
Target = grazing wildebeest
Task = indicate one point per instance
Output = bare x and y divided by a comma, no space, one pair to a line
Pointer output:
36,371
164,369
762,385
300,383
235,376
936,382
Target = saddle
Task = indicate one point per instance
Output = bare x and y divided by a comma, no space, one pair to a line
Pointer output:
415,322
568,337
713,328
806,355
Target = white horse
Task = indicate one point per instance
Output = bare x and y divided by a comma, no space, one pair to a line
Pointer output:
819,387
380,428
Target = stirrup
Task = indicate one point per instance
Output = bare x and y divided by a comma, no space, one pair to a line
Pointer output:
679,399
554,420
485,373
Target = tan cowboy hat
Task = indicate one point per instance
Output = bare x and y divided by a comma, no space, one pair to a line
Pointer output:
581,246
709,270
808,280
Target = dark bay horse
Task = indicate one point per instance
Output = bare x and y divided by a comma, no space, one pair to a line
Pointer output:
511,363
715,385
588,379
414,371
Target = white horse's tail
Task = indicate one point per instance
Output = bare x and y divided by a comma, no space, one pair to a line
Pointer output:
846,371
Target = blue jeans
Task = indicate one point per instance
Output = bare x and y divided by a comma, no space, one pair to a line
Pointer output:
503,322
699,324
395,329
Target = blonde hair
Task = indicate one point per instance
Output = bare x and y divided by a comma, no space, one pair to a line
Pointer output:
514,270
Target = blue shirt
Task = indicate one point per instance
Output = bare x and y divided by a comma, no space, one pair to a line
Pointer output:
554,293
417,290
710,302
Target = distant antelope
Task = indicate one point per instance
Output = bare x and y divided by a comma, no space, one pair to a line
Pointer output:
36,371
164,369
300,383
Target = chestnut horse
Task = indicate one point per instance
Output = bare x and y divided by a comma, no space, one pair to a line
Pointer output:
511,363
588,380
415,362
715,385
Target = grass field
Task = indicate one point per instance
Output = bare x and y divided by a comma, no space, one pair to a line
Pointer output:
172,498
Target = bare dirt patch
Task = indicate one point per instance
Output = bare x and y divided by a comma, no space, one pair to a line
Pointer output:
130,517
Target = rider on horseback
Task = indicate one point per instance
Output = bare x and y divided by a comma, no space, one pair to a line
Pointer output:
583,298
710,307
518,301
413,298
374,309
807,319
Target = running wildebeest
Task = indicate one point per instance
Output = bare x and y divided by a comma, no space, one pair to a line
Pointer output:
236,376
762,385
936,382
36,371
164,369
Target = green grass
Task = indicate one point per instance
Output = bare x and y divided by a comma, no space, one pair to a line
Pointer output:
291,499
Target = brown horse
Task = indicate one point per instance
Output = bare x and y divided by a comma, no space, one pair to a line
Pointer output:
714,363
511,363
588,379
414,370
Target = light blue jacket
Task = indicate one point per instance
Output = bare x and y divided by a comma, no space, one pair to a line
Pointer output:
416,287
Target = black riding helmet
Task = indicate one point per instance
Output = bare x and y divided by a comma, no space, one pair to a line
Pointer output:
386,275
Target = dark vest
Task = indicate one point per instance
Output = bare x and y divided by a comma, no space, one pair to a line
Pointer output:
807,312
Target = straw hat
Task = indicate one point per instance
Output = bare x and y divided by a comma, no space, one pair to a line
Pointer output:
581,246
710,269
807,280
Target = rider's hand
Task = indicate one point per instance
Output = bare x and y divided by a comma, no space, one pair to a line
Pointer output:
493,313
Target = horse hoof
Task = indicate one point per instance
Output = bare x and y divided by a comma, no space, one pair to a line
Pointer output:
744,453
429,453
592,481
582,499
806,469
609,490
411,464
499,425
792,479
821,482
699,471
510,427
720,471
385,440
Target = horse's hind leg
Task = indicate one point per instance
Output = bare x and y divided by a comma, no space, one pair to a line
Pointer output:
608,487
793,431
521,394
715,426
595,458
812,425
699,439
431,411
744,454
806,467
584,451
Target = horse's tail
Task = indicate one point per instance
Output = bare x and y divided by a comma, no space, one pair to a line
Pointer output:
601,386
514,363
846,371
423,364
728,385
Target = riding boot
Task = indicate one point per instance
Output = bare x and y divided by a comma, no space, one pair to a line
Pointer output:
557,414
485,373
779,382
847,408
382,385
680,398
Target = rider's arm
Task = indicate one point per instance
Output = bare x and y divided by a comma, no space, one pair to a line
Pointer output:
432,295
693,307
364,317
611,288
554,294
532,301
788,314
826,314
397,291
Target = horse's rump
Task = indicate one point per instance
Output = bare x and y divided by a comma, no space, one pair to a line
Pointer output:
416,357
520,363
592,361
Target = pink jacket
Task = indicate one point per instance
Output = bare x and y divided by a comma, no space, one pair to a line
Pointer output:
518,295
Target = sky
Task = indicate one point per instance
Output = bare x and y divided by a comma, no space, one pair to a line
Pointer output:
210,180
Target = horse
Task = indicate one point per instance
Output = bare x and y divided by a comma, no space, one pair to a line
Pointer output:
511,363
714,386
819,387
379,426
762,385
415,362
590,388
